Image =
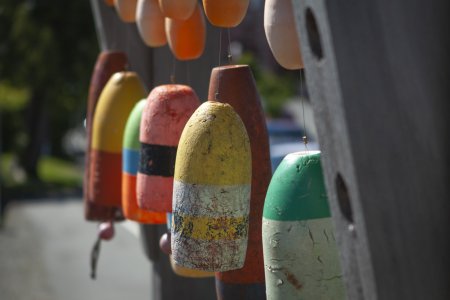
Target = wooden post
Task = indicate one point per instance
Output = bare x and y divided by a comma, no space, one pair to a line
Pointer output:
377,72
154,67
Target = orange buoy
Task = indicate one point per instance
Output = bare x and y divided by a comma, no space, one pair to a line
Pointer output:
281,33
168,109
187,38
225,13
130,163
235,85
177,9
107,64
150,23
126,9
116,101
109,2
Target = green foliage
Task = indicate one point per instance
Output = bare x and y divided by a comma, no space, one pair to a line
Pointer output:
275,89
12,98
53,172
48,49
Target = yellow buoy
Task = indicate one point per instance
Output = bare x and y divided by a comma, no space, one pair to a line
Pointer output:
116,101
211,196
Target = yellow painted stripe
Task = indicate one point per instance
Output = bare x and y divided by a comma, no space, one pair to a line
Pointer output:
214,148
211,229
116,101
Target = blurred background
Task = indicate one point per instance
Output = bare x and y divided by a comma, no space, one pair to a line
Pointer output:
48,50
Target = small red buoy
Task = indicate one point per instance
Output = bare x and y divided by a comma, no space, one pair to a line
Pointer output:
167,110
108,63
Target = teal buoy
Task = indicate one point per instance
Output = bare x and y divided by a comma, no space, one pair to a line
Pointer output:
300,252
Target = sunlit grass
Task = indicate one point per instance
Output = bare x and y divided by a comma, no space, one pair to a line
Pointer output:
53,174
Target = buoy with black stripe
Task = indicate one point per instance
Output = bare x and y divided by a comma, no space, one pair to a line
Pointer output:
211,192
130,164
300,252
177,269
167,110
108,63
235,85
116,101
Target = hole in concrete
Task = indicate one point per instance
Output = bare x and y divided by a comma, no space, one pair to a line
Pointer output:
313,34
343,198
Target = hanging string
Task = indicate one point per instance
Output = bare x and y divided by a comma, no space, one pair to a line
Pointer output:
216,95
230,57
304,138
95,253
188,75
174,69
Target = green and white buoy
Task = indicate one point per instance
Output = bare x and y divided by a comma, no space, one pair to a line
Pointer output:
300,252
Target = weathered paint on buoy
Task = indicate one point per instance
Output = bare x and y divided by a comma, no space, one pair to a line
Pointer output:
167,111
300,252
235,85
225,13
211,191
126,9
187,37
177,9
281,33
150,23
108,63
177,269
130,164
116,101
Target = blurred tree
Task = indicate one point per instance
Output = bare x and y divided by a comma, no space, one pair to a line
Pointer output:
48,48
275,88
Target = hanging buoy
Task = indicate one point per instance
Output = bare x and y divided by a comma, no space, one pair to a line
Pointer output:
150,23
211,193
107,64
130,164
187,38
116,101
165,246
300,252
281,33
225,13
235,85
126,9
109,2
178,9
168,109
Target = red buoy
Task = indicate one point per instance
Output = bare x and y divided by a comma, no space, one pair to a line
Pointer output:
108,63
235,85
167,110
